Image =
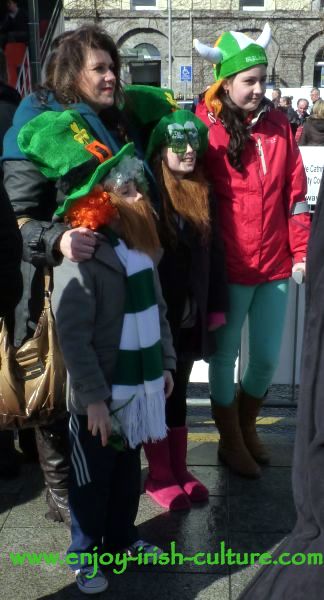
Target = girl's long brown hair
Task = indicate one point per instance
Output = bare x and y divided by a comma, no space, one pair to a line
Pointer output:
234,119
189,197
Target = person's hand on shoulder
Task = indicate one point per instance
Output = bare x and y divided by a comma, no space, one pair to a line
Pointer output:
78,244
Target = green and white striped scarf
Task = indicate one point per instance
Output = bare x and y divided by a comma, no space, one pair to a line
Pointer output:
138,399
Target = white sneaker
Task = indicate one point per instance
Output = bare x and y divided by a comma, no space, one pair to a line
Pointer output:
144,548
88,584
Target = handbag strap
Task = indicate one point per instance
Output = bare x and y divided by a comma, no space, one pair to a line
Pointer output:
22,221
47,287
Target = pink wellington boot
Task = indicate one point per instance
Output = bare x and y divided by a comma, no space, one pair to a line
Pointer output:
161,484
196,491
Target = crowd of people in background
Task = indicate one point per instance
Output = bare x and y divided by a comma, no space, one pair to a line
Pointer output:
297,117
187,223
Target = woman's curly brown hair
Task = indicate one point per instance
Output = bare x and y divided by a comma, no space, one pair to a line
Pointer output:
68,58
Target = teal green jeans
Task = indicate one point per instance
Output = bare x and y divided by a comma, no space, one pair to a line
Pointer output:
265,305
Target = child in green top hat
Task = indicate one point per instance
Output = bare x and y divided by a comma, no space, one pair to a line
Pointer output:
257,172
112,328
192,275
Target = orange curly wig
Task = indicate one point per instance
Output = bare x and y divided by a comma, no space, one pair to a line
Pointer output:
92,211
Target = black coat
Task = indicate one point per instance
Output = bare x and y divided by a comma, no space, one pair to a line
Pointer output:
313,133
10,256
9,100
194,269
32,196
305,581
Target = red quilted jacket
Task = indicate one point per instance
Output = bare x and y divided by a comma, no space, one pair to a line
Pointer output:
261,234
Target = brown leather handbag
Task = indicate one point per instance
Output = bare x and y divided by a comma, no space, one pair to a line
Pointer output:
32,377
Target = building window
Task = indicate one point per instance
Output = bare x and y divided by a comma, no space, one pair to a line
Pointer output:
253,4
143,4
147,52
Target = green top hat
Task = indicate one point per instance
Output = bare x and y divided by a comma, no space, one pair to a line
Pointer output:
171,126
63,148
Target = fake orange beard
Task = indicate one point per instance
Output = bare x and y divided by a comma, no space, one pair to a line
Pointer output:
133,222
137,225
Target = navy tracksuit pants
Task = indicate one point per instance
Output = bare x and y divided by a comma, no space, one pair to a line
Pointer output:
104,492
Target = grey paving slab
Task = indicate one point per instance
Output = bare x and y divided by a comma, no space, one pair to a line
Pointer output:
249,516
30,513
6,502
281,450
197,530
27,582
30,473
215,478
265,504
202,453
274,480
199,453
240,576
12,486
139,586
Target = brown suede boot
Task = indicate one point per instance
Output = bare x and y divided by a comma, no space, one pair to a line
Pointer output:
249,408
232,449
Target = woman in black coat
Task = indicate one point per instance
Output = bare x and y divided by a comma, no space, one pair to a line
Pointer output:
193,280
313,130
11,288
10,256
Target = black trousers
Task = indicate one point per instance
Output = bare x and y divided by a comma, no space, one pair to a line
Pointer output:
176,404
104,492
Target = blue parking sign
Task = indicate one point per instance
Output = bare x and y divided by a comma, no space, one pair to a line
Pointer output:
185,73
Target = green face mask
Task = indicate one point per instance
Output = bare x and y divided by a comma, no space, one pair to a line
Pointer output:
178,137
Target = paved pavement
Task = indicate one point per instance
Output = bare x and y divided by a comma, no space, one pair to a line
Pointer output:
248,516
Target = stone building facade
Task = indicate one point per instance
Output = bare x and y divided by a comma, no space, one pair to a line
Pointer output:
141,30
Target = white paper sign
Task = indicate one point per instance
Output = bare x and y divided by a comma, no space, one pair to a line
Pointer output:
313,159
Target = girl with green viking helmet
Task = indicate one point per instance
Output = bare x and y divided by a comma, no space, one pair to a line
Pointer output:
192,276
257,172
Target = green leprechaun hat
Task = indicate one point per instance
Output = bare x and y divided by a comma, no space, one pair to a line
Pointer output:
176,130
235,52
171,126
149,103
63,148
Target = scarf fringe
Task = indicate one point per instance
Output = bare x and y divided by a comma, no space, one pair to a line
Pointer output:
143,418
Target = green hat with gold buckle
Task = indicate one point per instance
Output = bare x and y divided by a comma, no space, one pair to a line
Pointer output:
63,148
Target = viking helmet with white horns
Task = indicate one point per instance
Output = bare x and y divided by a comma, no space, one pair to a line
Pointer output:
235,52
